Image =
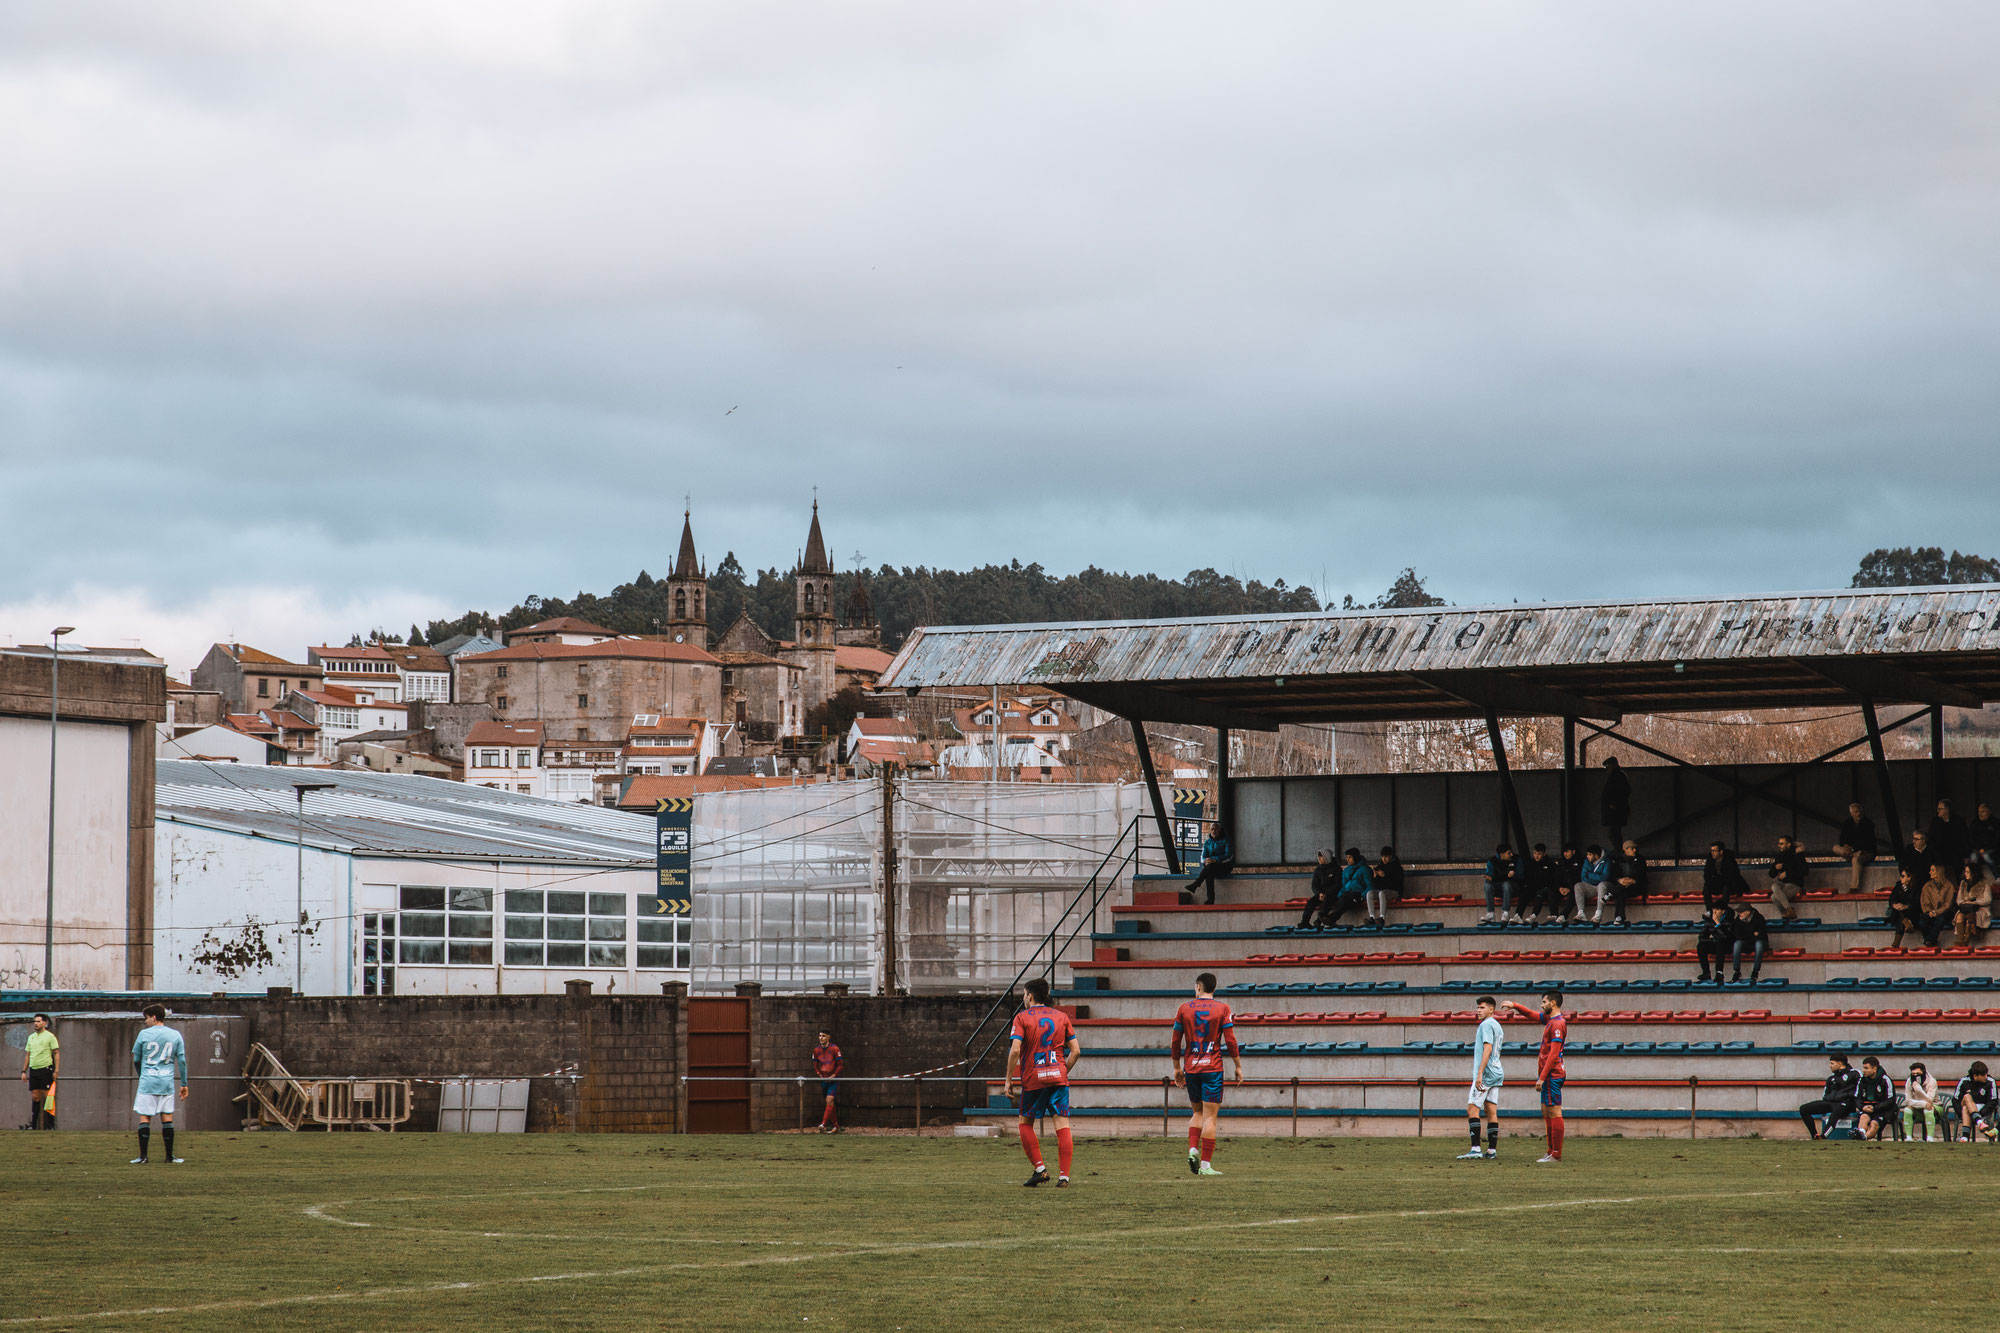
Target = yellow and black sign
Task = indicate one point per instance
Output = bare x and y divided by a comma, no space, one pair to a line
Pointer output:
673,858
1190,805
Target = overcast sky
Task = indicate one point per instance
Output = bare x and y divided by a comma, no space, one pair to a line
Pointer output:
318,316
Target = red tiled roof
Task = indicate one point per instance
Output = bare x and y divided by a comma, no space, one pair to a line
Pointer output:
363,653
561,625
857,658
882,726
635,649
290,721
248,656
504,733
647,790
907,753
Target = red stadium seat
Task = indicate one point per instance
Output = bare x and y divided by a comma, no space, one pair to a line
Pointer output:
1656,1016
1473,953
1822,1013
1898,1015
1926,1013
1959,1015
1623,1016
1413,956
1745,1015
1689,1016
1370,1016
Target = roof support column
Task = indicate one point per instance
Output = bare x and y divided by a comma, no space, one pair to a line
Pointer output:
1938,792
1225,800
1510,804
1569,780
1153,790
1888,787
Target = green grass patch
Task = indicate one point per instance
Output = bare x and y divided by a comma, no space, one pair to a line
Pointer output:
322,1233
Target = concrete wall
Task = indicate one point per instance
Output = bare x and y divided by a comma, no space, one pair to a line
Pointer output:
880,1036
546,691
92,815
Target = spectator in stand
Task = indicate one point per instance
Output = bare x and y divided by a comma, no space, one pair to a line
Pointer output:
1920,1098
1539,889
1936,905
1596,880
1973,912
1857,845
1984,832
1217,857
1325,889
1949,839
1500,881
1721,879
1569,874
1388,888
1628,878
1905,914
1837,1098
1355,882
1614,803
1712,946
1878,1098
1749,934
1916,858
1788,877
1978,1103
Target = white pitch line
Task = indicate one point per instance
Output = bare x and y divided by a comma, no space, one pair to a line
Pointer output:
914,1247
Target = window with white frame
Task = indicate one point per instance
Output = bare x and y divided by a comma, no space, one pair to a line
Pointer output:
565,928
524,759
440,925
490,758
665,942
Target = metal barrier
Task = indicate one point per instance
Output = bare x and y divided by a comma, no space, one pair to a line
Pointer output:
328,1103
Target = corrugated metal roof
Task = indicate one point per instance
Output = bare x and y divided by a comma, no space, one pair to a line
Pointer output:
393,813
1638,656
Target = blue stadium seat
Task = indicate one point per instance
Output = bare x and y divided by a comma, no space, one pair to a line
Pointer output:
1909,982
1680,925
1873,922
1812,1045
1912,1047
1874,983
1454,985
1981,982
1704,1046
1299,987
1739,1045
1677,983
1350,1045
1631,1046
1942,981
1416,1046
1673,1046
1317,1047
1945,1046
1642,983
1841,983
1428,925
1388,985
1518,1048
1519,985
1978,1047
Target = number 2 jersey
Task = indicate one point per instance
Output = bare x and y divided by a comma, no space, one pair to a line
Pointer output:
1202,1028
1044,1034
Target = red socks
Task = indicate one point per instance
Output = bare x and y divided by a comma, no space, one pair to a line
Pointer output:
1208,1150
1062,1152
1556,1137
1032,1145
826,1116
1194,1136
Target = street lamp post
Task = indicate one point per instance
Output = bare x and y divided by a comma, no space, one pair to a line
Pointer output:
299,921
55,707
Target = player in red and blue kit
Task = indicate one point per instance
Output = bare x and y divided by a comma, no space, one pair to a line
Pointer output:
1549,1071
827,1062
1040,1053
1202,1028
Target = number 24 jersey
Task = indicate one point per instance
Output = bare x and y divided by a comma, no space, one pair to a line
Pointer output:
1044,1034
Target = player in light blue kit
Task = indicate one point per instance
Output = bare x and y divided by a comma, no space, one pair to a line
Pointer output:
160,1056
1486,1080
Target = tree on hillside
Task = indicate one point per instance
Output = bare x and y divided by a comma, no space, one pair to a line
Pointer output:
1922,567
1407,590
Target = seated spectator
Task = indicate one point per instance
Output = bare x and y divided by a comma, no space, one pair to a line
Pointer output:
1569,871
1920,1101
1856,845
1325,889
1949,840
1878,1099
1974,910
1217,859
1721,880
1904,912
1937,904
1751,936
1500,882
1984,832
1978,1102
1355,882
1837,1099
1539,889
1712,946
1596,880
1915,858
1788,877
1628,878
1388,888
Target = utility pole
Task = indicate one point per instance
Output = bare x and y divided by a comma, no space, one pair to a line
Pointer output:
55,694
299,922
996,733
889,949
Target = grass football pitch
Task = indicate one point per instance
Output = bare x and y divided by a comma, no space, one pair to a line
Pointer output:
312,1232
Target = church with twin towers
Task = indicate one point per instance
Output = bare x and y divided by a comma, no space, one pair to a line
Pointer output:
770,684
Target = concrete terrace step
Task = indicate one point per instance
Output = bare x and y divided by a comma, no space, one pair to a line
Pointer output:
1416,968
1543,943
1595,1027
1455,911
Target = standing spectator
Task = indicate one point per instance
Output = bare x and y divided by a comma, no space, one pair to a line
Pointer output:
1788,877
1355,882
1978,1103
1856,845
1837,1098
1984,832
1878,1098
1749,933
1388,888
1614,802
1905,913
1721,879
1596,880
1920,1098
1712,946
1500,880
1538,885
41,1062
827,1062
1628,878
1949,839
1217,858
1916,858
1974,909
1325,889
1937,904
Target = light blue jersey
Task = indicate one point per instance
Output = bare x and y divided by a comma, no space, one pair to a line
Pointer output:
160,1056
1489,1031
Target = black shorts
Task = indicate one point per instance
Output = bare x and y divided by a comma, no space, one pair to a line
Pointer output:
38,1079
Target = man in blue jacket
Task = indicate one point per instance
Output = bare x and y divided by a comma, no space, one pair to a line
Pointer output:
1216,859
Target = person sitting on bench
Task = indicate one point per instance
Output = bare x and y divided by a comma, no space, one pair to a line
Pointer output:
1837,1098
1628,878
1355,882
1325,888
1752,935
1388,888
1978,1102
1975,907
1937,904
1920,1100
1216,859
1904,911
1878,1099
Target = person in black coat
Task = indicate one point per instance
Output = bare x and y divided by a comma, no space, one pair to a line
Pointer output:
1749,934
1856,845
1985,834
1905,910
1917,857
1325,889
1388,888
1837,1099
1614,802
1721,878
1713,944
1878,1099
1628,873
1949,839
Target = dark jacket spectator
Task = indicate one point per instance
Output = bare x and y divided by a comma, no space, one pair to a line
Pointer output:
1916,858
1787,875
1749,934
1501,882
1949,837
1838,1097
1325,887
1355,881
1984,831
1721,879
1628,876
1614,802
1569,867
1389,872
1712,945
1905,912
1217,858
1537,876
1877,1092
1857,833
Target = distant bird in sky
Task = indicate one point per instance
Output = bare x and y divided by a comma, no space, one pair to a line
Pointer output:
739,405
